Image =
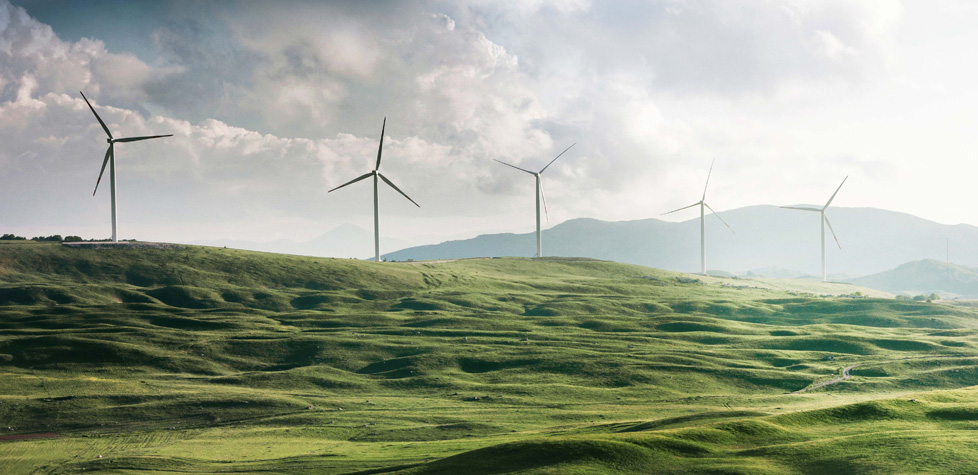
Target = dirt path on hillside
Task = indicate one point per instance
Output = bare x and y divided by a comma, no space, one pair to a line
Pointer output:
845,376
121,245
547,259
43,435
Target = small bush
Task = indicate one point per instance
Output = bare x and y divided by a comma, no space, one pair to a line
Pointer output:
52,238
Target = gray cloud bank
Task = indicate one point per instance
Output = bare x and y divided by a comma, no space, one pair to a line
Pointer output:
272,104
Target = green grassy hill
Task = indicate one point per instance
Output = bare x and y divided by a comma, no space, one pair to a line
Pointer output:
207,360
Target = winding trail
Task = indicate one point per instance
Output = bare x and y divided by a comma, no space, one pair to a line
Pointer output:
845,376
42,435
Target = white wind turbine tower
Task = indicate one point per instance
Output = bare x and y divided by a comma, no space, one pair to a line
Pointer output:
110,160
702,204
376,174
825,220
539,195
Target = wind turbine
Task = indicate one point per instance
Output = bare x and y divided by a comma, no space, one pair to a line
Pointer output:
702,204
825,220
376,173
110,160
540,195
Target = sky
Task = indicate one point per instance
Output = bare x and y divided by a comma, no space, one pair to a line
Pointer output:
274,103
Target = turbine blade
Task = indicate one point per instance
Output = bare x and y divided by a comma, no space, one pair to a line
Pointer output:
831,230
136,139
104,127
684,207
721,219
558,156
382,177
105,162
516,167
803,208
381,147
708,179
361,177
836,192
544,197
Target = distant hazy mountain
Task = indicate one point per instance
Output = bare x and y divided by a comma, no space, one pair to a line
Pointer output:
343,241
925,277
769,241
776,272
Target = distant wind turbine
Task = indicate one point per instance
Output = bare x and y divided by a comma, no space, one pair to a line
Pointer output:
110,160
825,220
376,174
540,195
702,204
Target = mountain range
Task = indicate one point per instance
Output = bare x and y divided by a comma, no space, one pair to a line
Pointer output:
767,241
924,277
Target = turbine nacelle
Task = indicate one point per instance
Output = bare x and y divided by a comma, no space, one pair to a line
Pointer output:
702,201
540,194
821,210
110,157
824,221
376,174
703,206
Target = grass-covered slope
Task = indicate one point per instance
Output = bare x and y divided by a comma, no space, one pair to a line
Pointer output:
215,360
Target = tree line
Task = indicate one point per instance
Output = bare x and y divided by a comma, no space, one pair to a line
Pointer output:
52,238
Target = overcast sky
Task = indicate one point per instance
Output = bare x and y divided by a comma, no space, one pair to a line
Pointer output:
273,103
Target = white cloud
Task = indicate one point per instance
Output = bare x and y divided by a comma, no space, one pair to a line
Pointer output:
13,114
207,173
30,49
328,69
272,105
832,47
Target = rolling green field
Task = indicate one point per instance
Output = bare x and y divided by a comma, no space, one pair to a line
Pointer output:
207,360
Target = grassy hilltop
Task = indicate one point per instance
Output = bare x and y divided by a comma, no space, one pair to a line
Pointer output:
217,360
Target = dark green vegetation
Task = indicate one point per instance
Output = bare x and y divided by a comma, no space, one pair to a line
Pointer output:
214,360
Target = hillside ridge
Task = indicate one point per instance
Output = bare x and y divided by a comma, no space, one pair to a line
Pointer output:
872,240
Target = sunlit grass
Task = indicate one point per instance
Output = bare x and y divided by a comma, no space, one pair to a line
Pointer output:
216,360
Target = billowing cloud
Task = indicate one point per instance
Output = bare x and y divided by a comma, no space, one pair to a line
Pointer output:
273,104
32,54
